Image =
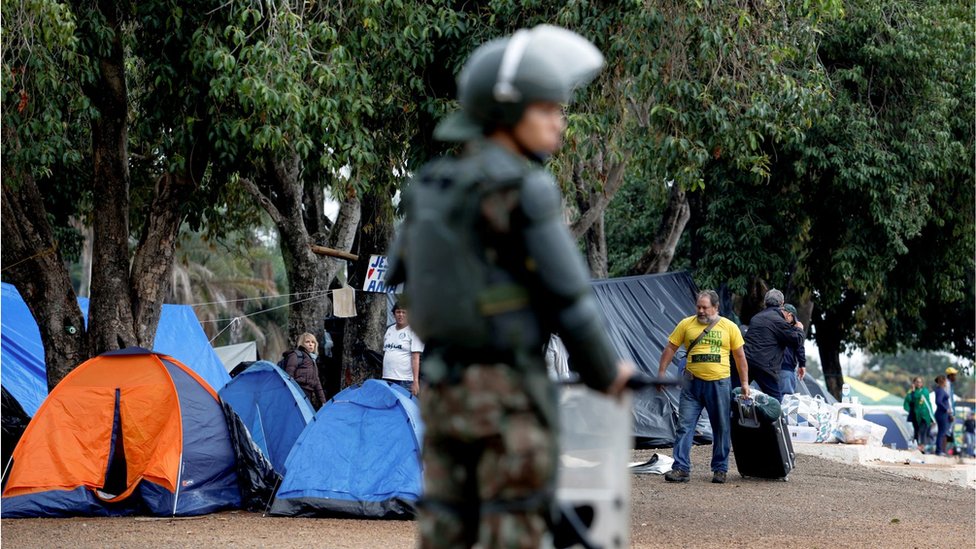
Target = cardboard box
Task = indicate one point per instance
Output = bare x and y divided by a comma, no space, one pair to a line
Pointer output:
803,433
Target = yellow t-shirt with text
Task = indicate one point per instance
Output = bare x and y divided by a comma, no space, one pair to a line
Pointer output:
709,359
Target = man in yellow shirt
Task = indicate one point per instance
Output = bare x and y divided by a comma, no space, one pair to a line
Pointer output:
709,339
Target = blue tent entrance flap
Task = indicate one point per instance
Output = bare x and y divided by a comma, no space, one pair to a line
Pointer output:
641,312
360,457
178,335
272,406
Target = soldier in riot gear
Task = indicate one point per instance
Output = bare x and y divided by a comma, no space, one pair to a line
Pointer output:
491,271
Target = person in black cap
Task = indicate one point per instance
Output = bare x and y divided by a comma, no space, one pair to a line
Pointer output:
794,360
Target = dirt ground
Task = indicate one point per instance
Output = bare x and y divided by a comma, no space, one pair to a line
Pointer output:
824,504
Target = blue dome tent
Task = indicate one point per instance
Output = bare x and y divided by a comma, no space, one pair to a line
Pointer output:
178,335
359,458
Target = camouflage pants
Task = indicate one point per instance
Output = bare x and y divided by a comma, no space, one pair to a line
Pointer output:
489,463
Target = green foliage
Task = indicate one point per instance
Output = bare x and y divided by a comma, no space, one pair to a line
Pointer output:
891,165
45,114
341,87
842,180
236,278
873,208
699,94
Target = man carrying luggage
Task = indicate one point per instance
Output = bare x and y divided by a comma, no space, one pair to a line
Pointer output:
709,339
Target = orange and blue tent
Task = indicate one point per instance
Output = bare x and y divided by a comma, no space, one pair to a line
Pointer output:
127,432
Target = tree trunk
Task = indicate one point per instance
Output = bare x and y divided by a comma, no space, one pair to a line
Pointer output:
366,330
829,342
313,200
590,225
110,319
657,259
84,287
755,299
125,300
152,264
32,263
596,201
596,248
281,193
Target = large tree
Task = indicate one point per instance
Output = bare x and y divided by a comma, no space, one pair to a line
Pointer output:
688,84
870,217
104,120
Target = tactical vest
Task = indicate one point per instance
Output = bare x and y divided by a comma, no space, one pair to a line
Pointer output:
459,297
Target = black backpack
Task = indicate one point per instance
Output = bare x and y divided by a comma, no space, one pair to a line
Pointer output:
285,356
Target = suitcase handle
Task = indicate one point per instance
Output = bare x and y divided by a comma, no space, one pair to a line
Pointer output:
748,416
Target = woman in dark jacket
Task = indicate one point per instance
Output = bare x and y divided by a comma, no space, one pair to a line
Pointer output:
942,413
300,364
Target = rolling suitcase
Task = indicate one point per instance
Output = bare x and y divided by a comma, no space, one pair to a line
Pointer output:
761,445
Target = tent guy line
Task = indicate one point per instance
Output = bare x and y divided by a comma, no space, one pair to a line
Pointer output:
237,319
311,294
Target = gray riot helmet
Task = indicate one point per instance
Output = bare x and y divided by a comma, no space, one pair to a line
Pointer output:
503,76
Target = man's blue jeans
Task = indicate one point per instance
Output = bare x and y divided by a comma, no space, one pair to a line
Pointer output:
713,396
787,382
405,383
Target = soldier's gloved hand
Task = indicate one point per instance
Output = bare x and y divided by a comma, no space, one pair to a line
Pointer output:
625,369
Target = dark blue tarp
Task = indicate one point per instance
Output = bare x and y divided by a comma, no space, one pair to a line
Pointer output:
22,356
641,311
360,457
272,406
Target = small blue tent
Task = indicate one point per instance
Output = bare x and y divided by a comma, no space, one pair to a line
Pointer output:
899,431
178,335
360,457
272,406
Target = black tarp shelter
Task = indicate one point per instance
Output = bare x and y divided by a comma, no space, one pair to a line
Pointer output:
641,311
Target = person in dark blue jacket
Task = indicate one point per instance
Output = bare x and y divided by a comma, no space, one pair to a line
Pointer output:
768,335
794,361
943,414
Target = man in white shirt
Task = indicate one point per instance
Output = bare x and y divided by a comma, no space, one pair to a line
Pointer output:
401,353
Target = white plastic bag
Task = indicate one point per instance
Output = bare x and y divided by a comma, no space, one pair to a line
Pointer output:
791,405
852,430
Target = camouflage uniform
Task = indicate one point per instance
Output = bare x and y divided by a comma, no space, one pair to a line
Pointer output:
493,447
490,444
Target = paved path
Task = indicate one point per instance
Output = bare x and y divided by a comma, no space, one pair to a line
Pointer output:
906,463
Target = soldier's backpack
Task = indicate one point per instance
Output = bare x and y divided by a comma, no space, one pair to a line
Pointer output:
448,290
